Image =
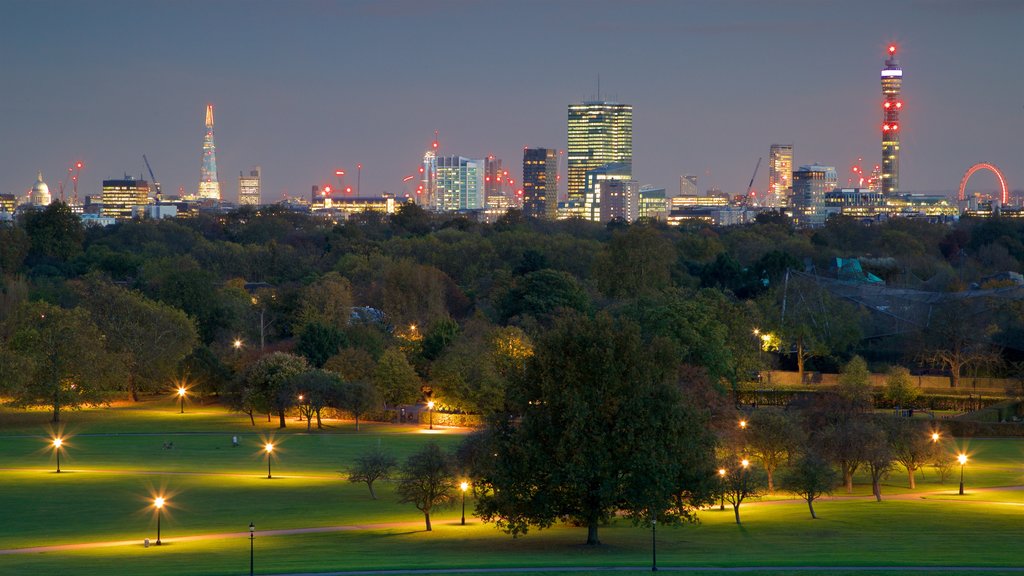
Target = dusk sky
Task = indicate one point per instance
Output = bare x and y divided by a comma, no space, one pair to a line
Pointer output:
304,87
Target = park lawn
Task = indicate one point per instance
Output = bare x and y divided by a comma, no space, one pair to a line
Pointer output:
297,454
848,533
162,415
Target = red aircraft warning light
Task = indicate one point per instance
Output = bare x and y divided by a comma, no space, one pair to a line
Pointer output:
892,49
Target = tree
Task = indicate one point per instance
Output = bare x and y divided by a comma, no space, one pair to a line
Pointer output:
150,338
55,233
426,481
396,379
878,456
772,438
58,358
636,260
959,337
741,482
595,426
846,442
319,342
810,477
352,364
271,379
900,390
327,302
317,389
358,398
912,446
540,294
372,466
855,384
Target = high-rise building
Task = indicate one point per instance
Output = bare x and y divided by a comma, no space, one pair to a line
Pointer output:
653,203
496,200
780,175
688,185
599,133
810,185
596,186
209,187
120,197
428,175
249,187
892,82
540,183
459,184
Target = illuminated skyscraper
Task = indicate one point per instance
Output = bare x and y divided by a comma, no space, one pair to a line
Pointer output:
121,196
249,187
780,175
459,184
599,133
209,187
540,183
892,81
810,185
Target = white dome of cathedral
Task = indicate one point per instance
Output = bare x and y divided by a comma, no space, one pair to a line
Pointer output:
40,192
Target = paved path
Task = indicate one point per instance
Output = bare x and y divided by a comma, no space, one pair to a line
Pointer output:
647,568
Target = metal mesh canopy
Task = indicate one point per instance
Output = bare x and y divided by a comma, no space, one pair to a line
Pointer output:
893,311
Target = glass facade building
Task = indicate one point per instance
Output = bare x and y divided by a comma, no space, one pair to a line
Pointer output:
249,187
780,175
459,184
599,133
540,183
209,187
121,196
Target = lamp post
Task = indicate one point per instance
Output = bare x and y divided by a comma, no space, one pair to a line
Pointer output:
962,459
935,437
430,411
181,395
237,344
721,485
268,448
57,443
464,486
654,544
743,424
158,502
252,537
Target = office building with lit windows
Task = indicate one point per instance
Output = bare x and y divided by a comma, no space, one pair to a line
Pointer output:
780,175
810,185
540,183
249,187
120,197
600,133
458,184
596,185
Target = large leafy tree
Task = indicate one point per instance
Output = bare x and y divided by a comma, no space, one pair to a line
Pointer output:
151,338
426,481
357,398
596,426
810,477
58,358
271,382
396,379
773,437
55,233
316,389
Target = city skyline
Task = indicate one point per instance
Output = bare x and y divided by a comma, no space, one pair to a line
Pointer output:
327,85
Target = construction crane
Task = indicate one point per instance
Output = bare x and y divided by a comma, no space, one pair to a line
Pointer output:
750,186
156,185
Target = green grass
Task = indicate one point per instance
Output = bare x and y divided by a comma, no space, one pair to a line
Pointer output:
115,462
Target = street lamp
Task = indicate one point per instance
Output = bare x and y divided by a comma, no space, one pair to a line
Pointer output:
158,502
57,443
935,436
654,544
430,411
743,424
962,459
721,482
268,448
252,536
464,486
181,395
237,344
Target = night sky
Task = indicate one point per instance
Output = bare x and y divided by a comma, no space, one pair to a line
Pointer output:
304,87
